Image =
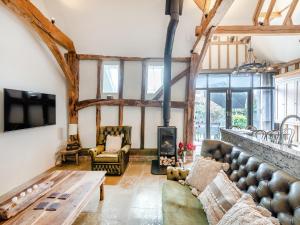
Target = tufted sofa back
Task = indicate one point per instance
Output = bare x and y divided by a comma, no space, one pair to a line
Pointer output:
269,186
115,130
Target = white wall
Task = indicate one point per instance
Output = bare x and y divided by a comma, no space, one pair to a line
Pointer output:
26,64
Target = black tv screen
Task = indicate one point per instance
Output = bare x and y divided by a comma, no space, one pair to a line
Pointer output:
26,109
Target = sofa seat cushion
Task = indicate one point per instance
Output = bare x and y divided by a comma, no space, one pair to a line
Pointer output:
180,206
107,157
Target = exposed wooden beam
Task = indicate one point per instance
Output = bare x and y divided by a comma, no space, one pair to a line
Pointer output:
121,87
126,102
203,5
98,96
174,80
288,18
269,12
118,58
27,11
204,49
257,11
143,113
258,30
213,18
58,56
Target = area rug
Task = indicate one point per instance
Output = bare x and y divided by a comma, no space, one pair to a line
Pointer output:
156,169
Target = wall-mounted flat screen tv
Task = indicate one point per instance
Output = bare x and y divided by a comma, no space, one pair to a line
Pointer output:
26,109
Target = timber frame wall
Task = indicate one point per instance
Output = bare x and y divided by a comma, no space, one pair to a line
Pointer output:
142,102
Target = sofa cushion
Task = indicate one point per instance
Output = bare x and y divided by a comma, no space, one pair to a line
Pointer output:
218,197
107,157
203,171
180,206
246,212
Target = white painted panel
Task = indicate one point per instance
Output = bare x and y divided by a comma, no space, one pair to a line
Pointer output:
232,55
177,118
178,89
109,116
132,117
241,50
206,61
132,80
153,119
87,127
87,79
214,57
223,57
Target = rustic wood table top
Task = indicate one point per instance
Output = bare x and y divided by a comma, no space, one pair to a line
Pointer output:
79,184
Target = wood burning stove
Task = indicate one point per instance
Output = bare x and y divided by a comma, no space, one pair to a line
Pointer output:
167,149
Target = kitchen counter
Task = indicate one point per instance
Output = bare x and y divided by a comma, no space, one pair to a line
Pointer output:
287,159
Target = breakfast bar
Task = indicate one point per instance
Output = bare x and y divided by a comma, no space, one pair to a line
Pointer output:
282,156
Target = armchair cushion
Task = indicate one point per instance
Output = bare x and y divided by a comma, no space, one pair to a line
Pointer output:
107,157
113,143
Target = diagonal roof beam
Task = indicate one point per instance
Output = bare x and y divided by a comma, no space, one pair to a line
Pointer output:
269,12
258,9
288,17
27,11
213,18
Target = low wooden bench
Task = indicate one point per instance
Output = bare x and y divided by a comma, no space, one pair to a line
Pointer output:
79,184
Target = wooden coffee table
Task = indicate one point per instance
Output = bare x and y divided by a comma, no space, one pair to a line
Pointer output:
79,184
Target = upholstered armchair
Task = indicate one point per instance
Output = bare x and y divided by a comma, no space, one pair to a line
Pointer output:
114,163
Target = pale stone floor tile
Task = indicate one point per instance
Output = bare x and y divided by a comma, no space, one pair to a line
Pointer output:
132,199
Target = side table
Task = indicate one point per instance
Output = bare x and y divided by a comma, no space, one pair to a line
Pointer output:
65,153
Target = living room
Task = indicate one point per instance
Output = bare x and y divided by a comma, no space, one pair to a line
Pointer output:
115,107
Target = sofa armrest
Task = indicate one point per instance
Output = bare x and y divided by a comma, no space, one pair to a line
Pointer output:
126,148
177,173
93,153
96,151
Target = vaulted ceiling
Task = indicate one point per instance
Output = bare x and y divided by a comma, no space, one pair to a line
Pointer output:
137,27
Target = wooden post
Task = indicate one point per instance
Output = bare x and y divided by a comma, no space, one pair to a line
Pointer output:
121,87
143,92
98,96
191,98
73,91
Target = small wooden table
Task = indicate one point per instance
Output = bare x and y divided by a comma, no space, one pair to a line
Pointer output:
79,184
64,153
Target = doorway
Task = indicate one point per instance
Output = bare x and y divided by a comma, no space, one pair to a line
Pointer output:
228,100
226,108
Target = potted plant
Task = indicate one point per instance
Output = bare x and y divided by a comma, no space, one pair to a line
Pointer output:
183,149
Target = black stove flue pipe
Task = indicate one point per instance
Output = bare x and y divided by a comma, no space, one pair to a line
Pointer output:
174,9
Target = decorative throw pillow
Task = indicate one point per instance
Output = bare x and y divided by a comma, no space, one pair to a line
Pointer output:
218,197
246,212
203,171
113,143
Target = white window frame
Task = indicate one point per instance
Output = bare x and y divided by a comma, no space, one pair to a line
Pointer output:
109,63
154,64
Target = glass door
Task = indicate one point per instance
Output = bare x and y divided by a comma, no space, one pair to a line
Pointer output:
216,113
240,105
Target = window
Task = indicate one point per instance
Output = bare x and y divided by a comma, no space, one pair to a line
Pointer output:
154,78
201,81
218,80
110,78
241,80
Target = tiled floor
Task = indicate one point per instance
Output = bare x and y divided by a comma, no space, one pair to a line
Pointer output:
132,199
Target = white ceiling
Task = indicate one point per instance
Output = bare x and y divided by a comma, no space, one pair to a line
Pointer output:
138,27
